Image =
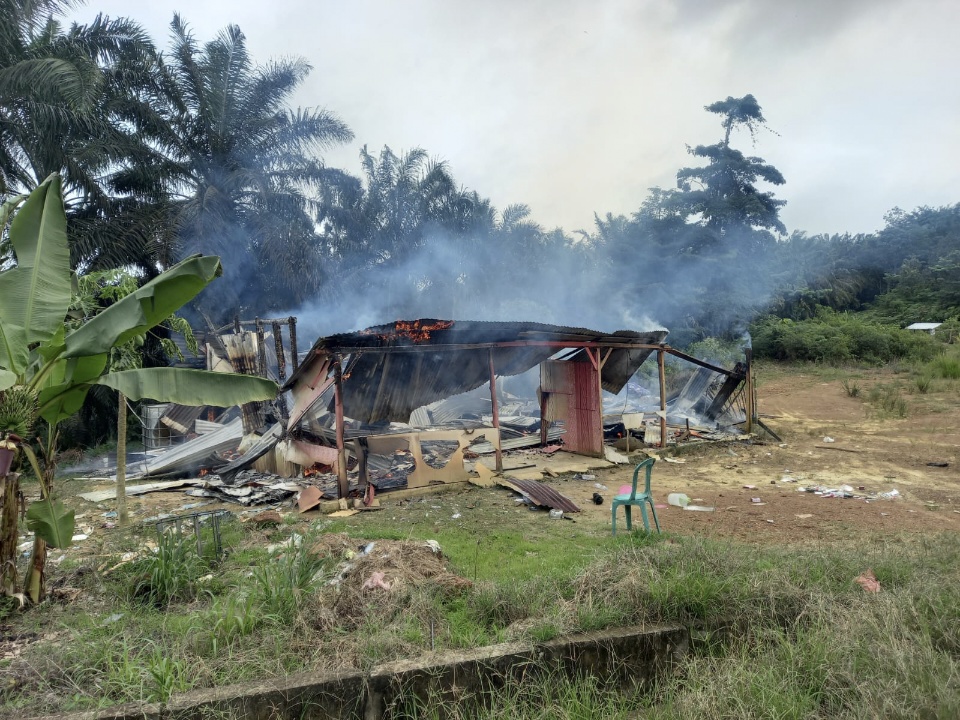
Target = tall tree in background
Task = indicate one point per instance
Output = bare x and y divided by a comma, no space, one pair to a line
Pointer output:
237,169
723,194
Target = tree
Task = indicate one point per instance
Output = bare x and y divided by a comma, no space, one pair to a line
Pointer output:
235,169
55,367
723,195
60,97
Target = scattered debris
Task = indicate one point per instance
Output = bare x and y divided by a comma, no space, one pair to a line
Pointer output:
539,494
804,516
268,517
597,499
700,508
376,580
678,499
309,498
938,464
868,581
344,513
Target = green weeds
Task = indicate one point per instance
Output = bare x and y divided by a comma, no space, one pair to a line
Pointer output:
790,632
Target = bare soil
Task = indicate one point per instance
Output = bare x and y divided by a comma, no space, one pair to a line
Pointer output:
868,451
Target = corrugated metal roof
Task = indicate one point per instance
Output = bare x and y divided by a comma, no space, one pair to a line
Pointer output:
396,368
540,494
181,417
924,326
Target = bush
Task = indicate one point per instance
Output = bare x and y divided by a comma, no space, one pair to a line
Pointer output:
836,338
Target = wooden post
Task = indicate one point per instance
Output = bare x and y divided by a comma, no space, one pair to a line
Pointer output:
751,410
598,368
544,424
496,412
342,483
663,399
122,516
292,326
261,350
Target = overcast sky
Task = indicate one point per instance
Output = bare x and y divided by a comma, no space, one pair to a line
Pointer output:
579,106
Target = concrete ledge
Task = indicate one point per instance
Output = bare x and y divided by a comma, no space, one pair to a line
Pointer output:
631,656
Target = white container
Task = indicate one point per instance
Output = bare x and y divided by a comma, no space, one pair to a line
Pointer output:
678,499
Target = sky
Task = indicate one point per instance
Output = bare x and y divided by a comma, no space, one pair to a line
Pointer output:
577,107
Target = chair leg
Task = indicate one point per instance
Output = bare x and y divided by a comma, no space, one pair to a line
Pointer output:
654,511
643,514
626,509
613,522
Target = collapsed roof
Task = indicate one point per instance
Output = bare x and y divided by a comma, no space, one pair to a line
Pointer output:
391,370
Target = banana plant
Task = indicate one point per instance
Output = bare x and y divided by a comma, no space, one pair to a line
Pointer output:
41,357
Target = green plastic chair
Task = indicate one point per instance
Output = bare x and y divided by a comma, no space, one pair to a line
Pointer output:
637,498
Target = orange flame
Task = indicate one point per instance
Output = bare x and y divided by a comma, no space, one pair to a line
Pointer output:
204,471
416,330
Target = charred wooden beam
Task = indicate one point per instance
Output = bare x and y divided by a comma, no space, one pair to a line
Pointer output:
261,350
278,348
292,326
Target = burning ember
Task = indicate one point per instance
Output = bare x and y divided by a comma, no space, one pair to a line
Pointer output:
315,470
416,330
204,471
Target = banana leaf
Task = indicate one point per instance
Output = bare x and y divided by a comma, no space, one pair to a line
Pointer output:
144,308
51,522
35,294
67,386
190,387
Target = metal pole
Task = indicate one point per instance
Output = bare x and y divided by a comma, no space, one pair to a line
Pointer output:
496,412
597,368
343,487
751,411
663,400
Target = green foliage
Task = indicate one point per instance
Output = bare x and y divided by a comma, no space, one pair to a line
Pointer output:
851,387
837,338
18,410
170,574
888,400
51,522
724,192
281,585
945,366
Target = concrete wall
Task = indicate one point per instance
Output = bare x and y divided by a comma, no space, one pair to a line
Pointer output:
629,655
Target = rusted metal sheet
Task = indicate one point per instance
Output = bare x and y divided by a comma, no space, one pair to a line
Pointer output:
399,367
572,394
540,494
307,454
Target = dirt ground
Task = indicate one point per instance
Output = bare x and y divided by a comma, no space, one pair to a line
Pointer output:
868,452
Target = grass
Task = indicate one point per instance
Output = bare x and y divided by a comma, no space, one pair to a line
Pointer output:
795,624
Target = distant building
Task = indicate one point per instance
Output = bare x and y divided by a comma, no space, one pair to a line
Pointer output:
928,327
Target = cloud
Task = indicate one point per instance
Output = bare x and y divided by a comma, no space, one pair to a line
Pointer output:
576,108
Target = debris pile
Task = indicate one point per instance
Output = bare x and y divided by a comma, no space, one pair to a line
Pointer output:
368,572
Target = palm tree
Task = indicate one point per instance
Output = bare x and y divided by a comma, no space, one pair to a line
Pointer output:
58,92
70,103
235,171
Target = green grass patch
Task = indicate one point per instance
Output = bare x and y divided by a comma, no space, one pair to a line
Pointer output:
790,633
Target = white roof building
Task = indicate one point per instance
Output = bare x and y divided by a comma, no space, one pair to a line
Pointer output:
929,327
